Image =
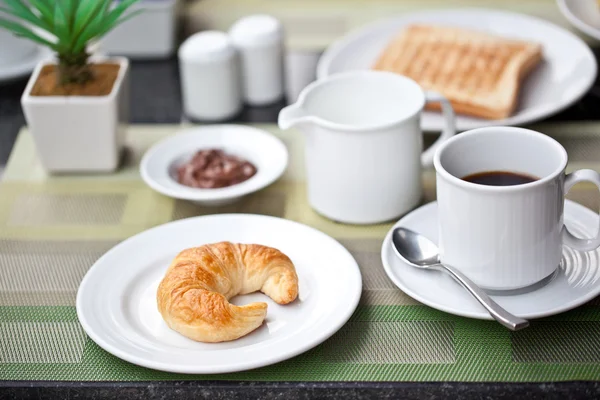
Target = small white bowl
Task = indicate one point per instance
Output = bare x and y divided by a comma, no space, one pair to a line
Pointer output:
268,154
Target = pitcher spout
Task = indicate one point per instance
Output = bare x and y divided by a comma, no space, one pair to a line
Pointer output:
291,116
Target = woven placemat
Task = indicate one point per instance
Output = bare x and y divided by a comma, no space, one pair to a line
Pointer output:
52,229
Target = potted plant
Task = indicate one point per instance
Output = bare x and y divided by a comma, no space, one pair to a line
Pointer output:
75,105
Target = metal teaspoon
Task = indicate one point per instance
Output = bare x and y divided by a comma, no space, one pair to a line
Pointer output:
420,252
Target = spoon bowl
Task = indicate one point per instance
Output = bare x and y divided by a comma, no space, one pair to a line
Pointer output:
415,249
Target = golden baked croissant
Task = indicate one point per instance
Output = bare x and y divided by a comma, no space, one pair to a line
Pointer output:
193,297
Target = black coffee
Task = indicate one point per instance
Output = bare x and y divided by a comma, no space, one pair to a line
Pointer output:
499,178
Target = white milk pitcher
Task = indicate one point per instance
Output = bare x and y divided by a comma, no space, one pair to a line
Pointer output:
364,143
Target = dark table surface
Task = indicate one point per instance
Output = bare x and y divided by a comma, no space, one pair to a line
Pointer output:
156,99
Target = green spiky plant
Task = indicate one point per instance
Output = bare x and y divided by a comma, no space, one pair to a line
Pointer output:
70,24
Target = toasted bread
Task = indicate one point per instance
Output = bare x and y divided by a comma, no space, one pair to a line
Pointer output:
479,73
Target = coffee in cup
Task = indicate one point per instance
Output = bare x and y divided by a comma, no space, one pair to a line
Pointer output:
499,178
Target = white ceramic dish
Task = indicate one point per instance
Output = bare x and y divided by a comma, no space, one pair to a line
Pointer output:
14,49
583,14
150,35
575,282
566,73
121,315
24,67
261,148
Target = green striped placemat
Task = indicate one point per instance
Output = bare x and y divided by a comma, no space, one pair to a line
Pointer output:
52,229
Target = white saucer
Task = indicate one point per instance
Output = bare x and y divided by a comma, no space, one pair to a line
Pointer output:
575,283
566,73
583,14
26,66
116,301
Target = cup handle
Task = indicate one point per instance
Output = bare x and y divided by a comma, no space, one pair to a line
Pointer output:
568,238
449,126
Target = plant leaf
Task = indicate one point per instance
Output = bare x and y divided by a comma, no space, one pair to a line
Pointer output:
113,18
45,10
90,30
119,22
20,30
116,12
6,11
61,29
86,12
69,11
23,12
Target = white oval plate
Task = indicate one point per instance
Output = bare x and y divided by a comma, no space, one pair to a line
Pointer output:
565,75
575,283
26,66
265,151
116,301
583,14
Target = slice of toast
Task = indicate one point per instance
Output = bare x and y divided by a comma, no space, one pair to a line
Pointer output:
479,73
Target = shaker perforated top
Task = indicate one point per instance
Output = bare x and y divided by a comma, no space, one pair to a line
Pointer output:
256,30
207,46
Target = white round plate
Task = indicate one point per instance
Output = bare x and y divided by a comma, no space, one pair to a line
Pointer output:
566,73
116,301
261,148
24,67
583,14
575,282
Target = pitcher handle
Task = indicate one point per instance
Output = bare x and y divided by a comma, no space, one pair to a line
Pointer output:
449,126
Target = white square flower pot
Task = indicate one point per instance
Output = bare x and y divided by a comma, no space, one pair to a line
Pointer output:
151,34
79,133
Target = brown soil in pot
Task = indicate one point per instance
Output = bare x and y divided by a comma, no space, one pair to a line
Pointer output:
105,76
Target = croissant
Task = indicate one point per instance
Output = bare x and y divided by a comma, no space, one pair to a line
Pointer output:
193,297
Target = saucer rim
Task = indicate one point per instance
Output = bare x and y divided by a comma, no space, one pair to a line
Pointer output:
482,314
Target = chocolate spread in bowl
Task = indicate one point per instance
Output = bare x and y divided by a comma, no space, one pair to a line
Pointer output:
213,168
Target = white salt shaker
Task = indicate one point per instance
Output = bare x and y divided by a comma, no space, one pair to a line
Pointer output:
210,77
259,41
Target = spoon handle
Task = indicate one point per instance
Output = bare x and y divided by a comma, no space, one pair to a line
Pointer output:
510,321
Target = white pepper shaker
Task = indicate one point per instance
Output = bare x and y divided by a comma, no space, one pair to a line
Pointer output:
210,77
259,41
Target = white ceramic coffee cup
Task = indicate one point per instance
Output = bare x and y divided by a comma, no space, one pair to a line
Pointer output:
505,237
14,49
364,145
